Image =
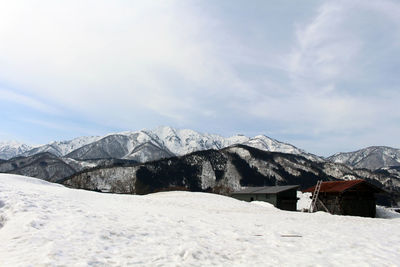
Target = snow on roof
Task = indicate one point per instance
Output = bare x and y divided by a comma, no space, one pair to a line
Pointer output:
341,186
266,189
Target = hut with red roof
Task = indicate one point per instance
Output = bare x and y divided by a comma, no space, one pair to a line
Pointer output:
354,197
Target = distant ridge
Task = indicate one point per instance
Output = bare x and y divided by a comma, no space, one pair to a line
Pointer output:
374,157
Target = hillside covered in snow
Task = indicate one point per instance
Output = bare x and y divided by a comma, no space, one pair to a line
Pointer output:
374,157
226,170
47,224
10,149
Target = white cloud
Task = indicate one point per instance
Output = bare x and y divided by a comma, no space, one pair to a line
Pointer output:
327,66
120,56
325,47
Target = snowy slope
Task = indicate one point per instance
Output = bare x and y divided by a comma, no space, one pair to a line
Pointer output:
10,149
223,171
47,224
373,158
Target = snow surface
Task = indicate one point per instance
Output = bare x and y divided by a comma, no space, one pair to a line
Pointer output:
304,201
47,224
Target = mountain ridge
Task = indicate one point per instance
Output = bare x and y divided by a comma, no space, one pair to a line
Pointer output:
164,141
10,149
372,157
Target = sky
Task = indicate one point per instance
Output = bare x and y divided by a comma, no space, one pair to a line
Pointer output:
321,75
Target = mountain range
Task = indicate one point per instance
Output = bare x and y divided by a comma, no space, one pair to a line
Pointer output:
147,145
163,142
57,161
373,158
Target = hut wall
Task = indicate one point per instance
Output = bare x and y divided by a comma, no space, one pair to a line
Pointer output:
331,202
270,198
350,203
287,200
358,204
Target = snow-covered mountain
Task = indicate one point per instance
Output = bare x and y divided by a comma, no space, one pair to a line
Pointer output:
163,142
148,145
61,148
372,158
58,160
10,149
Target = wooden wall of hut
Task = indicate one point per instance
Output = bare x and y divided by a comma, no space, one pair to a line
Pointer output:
354,203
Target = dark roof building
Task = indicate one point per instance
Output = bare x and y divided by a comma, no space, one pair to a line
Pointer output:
282,197
354,197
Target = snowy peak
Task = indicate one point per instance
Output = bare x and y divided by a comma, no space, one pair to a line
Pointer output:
66,147
10,149
373,157
183,141
147,145
192,141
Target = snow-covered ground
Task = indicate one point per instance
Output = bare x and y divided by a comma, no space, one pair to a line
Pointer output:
47,224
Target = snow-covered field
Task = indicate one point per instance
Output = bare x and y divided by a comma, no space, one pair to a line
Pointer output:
48,224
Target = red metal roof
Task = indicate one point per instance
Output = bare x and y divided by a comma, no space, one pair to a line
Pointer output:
340,186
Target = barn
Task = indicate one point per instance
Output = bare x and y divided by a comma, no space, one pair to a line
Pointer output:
354,197
282,197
